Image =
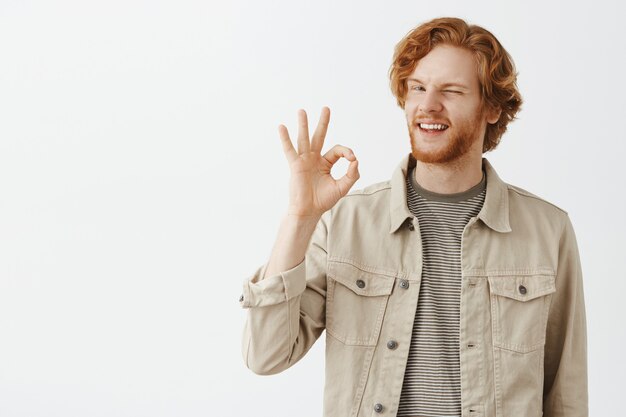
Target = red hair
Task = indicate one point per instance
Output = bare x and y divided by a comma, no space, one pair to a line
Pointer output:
496,70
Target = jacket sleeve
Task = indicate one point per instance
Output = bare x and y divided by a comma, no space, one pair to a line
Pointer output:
565,366
286,311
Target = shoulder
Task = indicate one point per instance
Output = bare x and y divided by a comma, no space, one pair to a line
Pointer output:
371,189
373,198
522,196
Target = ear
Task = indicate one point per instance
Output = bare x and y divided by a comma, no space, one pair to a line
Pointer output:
493,114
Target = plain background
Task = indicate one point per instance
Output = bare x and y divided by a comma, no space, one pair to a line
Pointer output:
142,180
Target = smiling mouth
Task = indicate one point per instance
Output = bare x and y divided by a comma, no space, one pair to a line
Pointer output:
432,128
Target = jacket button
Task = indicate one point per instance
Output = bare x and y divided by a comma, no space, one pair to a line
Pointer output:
411,227
360,283
392,344
241,298
378,408
522,289
404,284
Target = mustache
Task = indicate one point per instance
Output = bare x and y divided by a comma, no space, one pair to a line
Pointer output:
421,119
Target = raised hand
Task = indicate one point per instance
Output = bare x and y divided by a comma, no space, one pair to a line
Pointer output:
312,190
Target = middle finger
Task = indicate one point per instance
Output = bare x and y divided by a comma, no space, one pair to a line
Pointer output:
320,132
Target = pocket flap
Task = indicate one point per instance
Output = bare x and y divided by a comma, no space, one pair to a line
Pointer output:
361,282
522,287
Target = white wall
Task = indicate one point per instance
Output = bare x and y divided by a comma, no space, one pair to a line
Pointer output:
142,180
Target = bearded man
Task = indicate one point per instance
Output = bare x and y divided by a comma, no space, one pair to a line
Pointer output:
444,291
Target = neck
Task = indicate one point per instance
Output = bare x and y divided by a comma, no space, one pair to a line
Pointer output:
450,177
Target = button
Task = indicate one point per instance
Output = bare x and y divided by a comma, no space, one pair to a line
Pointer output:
378,408
392,344
241,298
404,284
411,227
360,283
522,289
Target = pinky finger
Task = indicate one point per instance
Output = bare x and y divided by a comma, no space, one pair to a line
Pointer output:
288,148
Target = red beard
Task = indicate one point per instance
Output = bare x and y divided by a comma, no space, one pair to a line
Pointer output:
459,140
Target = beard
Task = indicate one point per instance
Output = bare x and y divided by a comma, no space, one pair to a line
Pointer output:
458,142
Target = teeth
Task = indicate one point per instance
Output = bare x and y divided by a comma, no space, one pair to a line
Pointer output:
433,126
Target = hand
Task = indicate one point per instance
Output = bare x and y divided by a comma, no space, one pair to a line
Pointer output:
312,190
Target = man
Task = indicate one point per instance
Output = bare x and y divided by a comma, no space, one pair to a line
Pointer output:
444,291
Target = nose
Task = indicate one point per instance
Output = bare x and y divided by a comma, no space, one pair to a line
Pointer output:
430,102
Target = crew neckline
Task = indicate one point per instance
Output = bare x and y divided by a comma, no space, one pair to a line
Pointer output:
452,198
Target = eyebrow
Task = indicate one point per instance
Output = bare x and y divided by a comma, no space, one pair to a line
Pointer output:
443,85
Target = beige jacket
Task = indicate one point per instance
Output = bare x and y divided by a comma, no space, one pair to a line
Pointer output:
523,342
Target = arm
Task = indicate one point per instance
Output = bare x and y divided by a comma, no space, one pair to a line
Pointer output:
286,298
565,375
286,310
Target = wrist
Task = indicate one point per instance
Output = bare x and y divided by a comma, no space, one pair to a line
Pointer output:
301,220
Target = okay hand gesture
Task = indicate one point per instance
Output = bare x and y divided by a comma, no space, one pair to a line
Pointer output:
312,190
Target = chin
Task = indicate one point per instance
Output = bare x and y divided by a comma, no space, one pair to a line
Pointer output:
433,154
445,154
432,157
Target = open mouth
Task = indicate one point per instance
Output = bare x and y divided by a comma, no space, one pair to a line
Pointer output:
432,127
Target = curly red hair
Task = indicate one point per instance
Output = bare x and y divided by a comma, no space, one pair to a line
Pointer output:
496,71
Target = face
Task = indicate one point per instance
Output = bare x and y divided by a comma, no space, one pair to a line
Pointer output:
443,106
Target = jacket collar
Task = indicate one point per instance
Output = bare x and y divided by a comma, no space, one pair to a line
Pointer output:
494,213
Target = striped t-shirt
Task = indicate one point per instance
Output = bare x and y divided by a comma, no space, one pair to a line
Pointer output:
432,380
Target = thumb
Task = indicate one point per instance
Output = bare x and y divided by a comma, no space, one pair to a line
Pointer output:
347,181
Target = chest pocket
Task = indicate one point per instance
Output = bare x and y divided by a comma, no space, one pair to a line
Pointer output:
519,310
356,301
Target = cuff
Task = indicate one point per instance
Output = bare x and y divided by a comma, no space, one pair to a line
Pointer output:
273,290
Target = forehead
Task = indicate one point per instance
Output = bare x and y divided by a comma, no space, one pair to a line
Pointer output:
445,64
